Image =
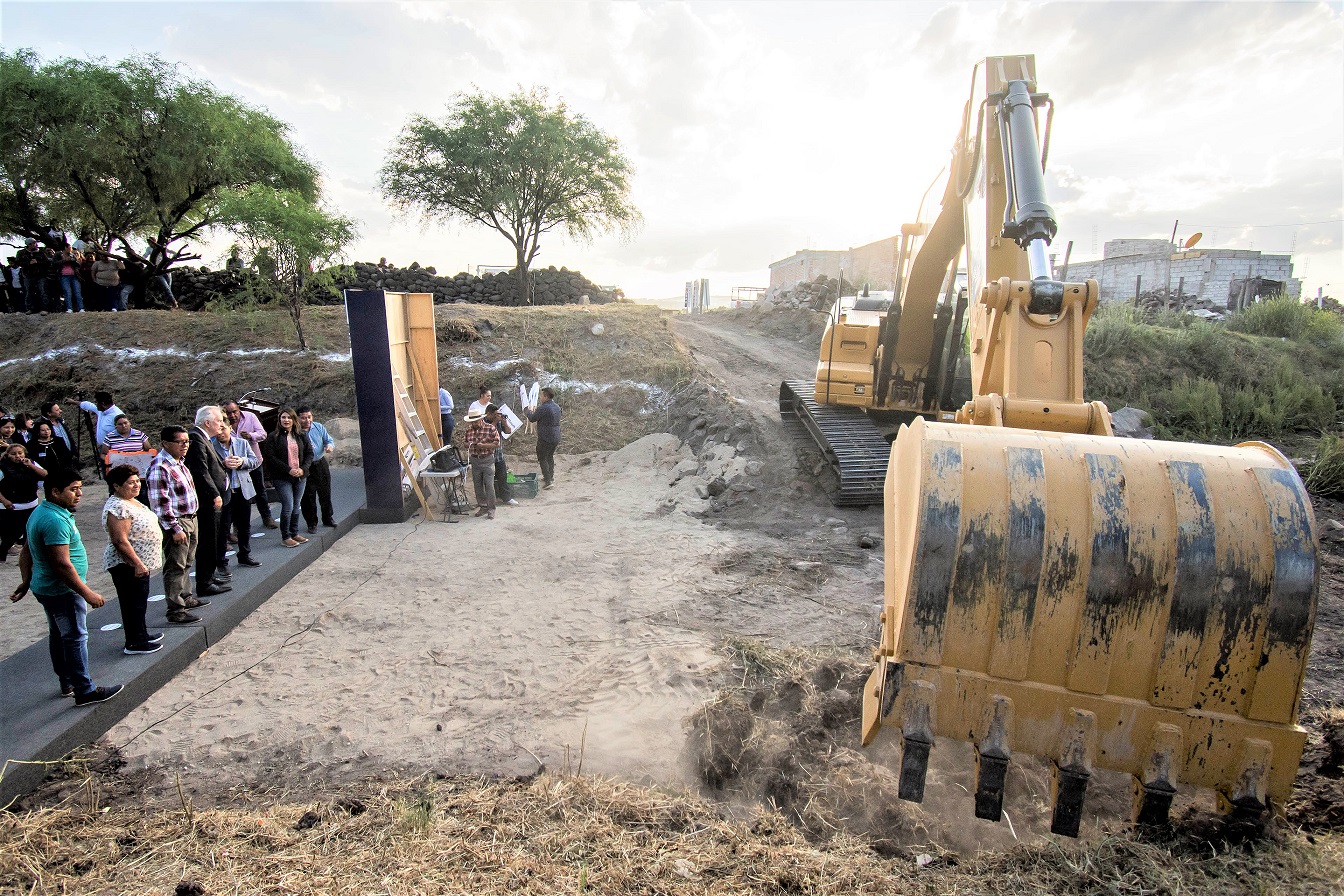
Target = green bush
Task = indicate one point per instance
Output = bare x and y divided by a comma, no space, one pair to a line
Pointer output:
1325,472
1285,318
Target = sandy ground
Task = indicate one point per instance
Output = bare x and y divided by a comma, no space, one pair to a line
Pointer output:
582,626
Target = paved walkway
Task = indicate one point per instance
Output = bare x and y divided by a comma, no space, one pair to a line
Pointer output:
37,724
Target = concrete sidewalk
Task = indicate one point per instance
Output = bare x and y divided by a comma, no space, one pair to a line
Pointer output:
37,725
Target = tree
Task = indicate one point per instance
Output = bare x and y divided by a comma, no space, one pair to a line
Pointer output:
132,150
293,239
516,164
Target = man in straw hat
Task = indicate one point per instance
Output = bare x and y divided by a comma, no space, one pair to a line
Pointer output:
482,438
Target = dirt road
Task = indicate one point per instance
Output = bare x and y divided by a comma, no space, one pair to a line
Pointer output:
583,626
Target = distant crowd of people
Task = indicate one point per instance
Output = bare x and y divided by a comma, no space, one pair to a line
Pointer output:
60,274
169,509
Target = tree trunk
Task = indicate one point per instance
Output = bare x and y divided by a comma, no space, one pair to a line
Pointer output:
522,275
296,312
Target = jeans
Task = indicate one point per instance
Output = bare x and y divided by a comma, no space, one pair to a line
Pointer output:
318,493
546,460
483,480
290,491
446,424
68,639
70,287
133,596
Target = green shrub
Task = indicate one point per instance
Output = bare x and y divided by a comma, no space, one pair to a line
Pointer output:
1325,473
1192,406
1286,318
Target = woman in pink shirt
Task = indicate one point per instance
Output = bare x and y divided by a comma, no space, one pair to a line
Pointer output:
70,289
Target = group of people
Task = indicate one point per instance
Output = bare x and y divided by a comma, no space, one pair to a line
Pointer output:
486,427
192,500
61,274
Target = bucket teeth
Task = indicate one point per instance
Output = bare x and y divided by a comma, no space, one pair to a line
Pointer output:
1154,803
991,760
914,767
1072,771
1154,791
991,772
1070,790
917,735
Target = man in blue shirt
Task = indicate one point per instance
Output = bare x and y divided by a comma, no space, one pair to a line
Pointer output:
319,474
446,416
54,564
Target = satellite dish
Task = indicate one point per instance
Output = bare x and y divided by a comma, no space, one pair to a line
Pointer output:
1194,238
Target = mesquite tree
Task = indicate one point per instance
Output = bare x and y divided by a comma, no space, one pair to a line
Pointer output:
516,164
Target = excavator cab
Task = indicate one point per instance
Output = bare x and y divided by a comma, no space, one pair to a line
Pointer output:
1052,590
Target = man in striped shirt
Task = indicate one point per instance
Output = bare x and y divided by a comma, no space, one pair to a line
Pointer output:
172,496
123,437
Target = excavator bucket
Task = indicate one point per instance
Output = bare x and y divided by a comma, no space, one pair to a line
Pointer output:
1134,605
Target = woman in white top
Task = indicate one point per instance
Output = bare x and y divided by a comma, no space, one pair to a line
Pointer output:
134,550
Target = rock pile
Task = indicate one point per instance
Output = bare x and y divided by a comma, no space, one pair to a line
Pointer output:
1151,301
195,287
552,286
818,294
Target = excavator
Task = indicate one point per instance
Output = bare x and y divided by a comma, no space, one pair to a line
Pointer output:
1052,590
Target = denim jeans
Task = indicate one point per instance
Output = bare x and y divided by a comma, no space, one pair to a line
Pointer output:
68,639
290,492
70,287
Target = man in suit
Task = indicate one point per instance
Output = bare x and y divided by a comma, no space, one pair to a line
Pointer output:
211,480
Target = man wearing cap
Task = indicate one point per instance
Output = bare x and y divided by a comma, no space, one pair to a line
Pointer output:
482,438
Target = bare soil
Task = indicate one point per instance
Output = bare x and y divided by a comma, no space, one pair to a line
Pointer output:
639,622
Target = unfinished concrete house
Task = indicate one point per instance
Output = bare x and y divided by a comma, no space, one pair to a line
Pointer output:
1224,278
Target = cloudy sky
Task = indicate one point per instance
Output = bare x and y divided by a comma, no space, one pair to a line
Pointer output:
761,128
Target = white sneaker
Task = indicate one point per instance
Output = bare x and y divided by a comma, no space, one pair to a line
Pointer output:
511,502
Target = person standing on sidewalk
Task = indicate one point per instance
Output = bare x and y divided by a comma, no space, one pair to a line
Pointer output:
547,417
212,493
134,550
55,565
172,497
246,425
318,490
236,455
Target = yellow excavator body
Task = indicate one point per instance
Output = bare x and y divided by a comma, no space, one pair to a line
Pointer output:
1053,590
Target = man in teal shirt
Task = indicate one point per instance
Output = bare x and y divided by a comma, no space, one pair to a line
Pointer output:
54,564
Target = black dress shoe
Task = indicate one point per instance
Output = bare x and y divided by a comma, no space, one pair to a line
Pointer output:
330,524
248,561
182,617
221,577
212,589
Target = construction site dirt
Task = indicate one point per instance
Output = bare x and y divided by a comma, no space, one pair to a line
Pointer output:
688,613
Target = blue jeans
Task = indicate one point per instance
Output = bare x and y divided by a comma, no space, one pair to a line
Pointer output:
290,492
70,287
68,639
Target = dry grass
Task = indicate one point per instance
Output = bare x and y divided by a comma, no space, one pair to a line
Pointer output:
559,834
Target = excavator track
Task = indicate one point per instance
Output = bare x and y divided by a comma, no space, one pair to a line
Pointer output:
852,445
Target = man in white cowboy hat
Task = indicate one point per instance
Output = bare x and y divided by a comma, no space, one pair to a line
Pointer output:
482,438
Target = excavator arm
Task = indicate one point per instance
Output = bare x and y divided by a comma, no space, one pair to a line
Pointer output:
1052,590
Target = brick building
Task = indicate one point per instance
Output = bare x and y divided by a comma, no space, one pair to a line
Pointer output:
1208,273
874,264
